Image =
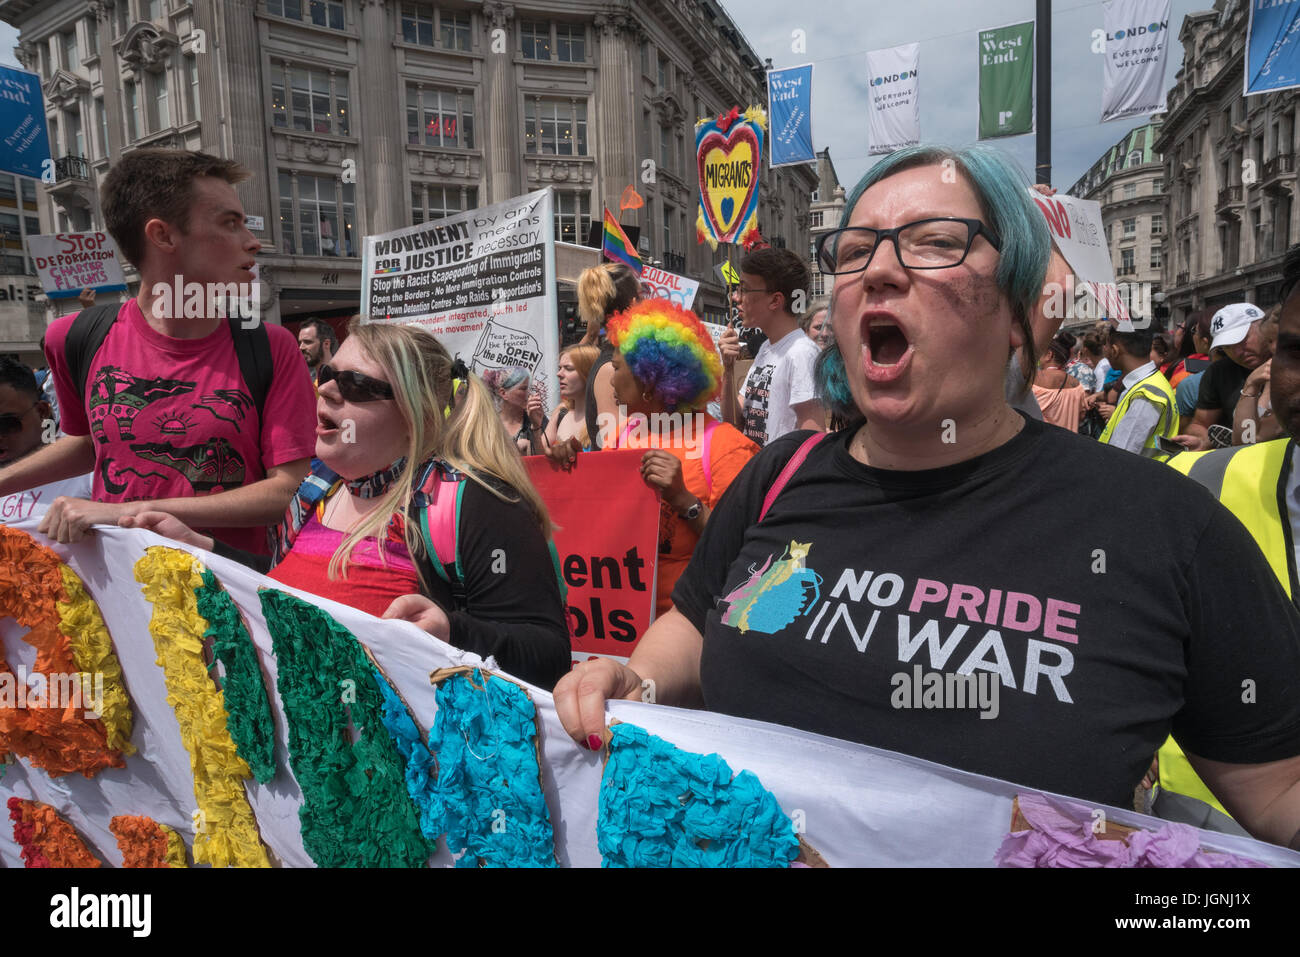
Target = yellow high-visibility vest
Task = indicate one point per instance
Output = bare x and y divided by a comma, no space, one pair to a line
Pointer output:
1156,389
1250,481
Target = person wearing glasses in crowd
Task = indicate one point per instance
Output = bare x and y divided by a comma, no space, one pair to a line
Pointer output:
929,533
23,412
778,394
356,532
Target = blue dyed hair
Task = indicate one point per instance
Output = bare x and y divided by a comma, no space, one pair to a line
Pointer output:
513,377
1000,189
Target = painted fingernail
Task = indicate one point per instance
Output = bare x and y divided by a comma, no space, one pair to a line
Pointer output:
593,742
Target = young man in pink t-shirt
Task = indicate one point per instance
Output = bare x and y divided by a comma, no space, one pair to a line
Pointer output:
167,420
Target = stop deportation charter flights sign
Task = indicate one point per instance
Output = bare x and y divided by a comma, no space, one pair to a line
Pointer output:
70,262
482,281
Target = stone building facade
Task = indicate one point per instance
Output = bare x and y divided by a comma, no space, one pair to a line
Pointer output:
824,215
1230,173
1128,182
362,116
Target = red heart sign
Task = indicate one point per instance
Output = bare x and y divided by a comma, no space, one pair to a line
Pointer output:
728,169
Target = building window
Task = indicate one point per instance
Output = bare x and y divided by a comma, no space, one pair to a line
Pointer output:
536,40
29,192
321,220
417,23
571,43
434,202
439,118
453,30
1135,158
645,58
815,219
159,114
1157,224
1157,259
152,9
92,37
123,18
101,117
1130,227
662,75
318,99
76,139
1126,261
323,13
665,149
818,284
132,110
69,42
191,88
555,127
572,217
1130,190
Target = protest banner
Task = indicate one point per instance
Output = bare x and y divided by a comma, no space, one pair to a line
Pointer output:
22,118
1137,34
1272,46
70,262
729,157
314,794
661,284
894,120
1006,80
608,566
789,94
853,804
1077,229
482,281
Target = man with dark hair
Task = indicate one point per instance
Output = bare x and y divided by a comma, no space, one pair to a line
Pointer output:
172,410
1260,484
1147,409
317,343
779,392
23,413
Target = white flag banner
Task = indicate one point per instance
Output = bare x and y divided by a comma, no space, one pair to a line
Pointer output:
1136,34
894,120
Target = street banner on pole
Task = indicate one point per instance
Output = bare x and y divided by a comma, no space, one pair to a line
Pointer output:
1006,58
894,120
22,120
1137,32
790,94
482,281
1272,46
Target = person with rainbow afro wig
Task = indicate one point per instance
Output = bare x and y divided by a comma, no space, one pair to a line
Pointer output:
666,371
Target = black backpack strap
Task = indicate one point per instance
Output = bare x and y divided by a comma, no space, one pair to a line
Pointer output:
253,349
85,336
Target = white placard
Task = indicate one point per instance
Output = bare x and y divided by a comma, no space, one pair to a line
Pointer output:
70,262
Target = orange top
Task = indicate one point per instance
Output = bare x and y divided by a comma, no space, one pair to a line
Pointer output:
1063,407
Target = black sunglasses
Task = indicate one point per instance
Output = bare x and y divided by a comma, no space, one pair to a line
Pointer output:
354,386
11,422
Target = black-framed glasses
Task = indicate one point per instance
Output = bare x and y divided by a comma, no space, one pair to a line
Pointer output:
355,386
12,423
938,243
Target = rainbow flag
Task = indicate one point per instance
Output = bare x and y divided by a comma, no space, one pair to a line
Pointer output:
617,246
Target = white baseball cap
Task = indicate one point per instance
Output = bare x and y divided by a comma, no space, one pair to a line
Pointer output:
1231,323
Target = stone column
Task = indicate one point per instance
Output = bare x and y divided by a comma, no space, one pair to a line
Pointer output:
381,186
616,157
245,140
504,128
112,82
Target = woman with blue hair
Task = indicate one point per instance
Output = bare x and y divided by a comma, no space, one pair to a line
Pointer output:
929,540
520,409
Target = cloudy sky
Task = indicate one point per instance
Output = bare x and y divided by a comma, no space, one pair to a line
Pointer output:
837,43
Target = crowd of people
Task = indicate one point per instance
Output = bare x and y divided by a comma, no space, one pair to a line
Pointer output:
946,494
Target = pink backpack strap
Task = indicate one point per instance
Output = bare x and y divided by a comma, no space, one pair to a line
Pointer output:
706,452
440,520
787,473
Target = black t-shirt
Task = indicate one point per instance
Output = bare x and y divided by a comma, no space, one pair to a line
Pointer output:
1221,388
1105,634
592,414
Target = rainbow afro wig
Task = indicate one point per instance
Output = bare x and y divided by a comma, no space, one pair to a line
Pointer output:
669,351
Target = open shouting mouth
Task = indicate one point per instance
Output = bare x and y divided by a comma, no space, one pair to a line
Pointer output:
886,349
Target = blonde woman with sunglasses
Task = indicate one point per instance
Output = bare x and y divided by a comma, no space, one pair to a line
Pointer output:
356,532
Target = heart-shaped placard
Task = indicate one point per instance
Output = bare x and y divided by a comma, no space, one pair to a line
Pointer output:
729,167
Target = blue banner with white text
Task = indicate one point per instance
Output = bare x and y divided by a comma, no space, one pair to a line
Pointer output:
22,123
1273,46
790,94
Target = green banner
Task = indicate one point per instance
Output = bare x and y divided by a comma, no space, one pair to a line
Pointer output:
1007,80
